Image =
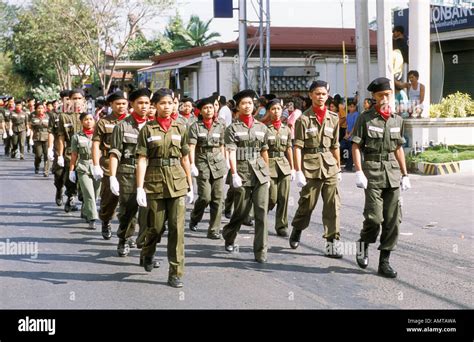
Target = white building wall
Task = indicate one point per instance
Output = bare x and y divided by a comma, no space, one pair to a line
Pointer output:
207,77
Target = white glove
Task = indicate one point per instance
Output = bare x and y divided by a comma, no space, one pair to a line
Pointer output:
72,176
361,180
5,135
31,142
236,180
227,163
292,175
28,132
50,154
194,171
300,179
339,176
10,132
60,161
190,196
114,186
141,197
405,183
97,172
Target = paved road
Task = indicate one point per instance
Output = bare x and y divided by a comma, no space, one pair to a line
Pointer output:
76,269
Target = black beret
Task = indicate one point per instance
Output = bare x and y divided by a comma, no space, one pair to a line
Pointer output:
18,102
118,95
273,102
187,99
9,98
139,93
207,100
269,97
244,93
160,93
76,91
319,84
379,84
64,93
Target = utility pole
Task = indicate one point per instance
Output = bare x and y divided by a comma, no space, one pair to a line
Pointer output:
362,49
267,64
262,61
242,45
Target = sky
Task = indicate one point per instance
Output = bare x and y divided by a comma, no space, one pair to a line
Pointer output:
302,13
296,13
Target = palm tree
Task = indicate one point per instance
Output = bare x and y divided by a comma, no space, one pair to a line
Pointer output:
196,34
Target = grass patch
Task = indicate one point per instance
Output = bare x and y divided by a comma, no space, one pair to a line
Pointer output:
439,154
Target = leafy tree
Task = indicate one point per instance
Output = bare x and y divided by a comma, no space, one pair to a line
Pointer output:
196,34
9,82
7,19
140,48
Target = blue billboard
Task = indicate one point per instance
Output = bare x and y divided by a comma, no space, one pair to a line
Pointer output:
443,18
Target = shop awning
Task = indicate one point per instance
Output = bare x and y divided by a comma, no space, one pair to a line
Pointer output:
171,65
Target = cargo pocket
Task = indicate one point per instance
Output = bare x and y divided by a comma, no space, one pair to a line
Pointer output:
154,183
179,179
328,136
311,162
263,167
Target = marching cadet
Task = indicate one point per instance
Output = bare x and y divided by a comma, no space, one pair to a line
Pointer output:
206,155
100,155
186,115
378,134
280,156
3,131
163,181
123,166
53,146
248,157
317,164
69,124
80,168
9,108
40,128
19,129
30,109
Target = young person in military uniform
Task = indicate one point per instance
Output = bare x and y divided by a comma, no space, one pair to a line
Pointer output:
280,156
206,155
378,134
100,155
40,133
163,181
19,129
53,146
186,116
3,130
317,164
80,168
9,108
123,166
248,157
69,124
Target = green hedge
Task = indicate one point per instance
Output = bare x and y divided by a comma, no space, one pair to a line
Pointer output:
439,154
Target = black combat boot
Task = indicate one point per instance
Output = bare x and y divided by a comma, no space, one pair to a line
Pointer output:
385,270
362,256
193,226
122,248
155,263
70,205
59,197
106,230
175,281
148,263
295,238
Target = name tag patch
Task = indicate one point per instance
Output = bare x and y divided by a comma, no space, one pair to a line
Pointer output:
176,137
311,129
153,138
67,125
109,125
202,135
375,129
239,134
271,137
259,134
395,130
131,135
216,135
329,130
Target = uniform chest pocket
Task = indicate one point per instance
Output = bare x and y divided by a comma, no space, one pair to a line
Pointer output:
215,139
395,133
260,136
284,141
311,133
242,136
328,136
271,140
175,148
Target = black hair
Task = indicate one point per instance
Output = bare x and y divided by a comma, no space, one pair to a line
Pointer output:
399,28
414,73
83,115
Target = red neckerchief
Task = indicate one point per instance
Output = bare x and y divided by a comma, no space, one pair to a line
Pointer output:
320,113
247,120
174,116
89,132
120,117
208,122
384,114
40,116
138,118
18,111
197,112
276,124
11,109
165,123
186,115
